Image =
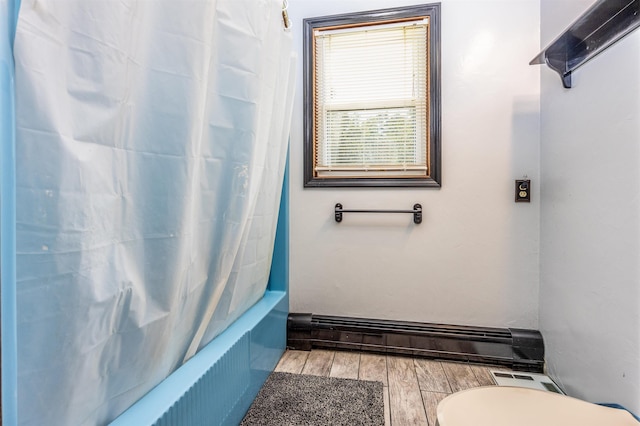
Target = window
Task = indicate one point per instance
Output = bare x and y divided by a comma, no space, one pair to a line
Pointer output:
372,98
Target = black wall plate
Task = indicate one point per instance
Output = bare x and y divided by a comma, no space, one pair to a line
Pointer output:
523,191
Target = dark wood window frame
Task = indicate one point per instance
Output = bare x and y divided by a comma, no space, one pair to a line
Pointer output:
363,18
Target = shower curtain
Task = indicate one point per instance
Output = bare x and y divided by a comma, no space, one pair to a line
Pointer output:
151,140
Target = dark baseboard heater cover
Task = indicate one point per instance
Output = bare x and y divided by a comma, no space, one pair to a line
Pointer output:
519,349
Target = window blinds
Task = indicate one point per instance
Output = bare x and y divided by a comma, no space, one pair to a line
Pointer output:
371,97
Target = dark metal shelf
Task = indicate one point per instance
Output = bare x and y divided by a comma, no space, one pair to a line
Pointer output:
604,23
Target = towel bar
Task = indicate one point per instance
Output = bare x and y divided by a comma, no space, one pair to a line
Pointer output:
417,212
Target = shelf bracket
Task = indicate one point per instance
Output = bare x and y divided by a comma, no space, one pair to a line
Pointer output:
559,67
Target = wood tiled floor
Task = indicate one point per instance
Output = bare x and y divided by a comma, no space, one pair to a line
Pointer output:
412,387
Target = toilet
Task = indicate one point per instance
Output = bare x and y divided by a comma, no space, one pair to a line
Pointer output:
515,406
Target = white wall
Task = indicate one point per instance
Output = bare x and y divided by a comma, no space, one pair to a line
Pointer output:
590,218
474,259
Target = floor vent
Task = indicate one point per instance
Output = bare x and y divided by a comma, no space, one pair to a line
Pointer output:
531,381
518,349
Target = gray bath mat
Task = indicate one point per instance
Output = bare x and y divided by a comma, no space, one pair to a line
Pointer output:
295,399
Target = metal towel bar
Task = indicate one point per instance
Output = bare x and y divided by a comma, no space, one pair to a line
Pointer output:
417,212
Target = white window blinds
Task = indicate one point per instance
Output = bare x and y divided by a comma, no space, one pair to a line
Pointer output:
371,95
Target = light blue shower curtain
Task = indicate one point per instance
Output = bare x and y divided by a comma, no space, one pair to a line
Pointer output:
151,140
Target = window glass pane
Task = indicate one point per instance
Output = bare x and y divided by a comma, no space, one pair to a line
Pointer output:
371,137
371,103
373,65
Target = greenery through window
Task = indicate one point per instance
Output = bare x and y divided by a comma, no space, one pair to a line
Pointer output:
372,98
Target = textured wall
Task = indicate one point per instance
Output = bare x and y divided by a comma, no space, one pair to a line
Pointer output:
590,218
474,259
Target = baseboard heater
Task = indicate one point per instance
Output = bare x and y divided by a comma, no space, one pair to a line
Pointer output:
519,349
